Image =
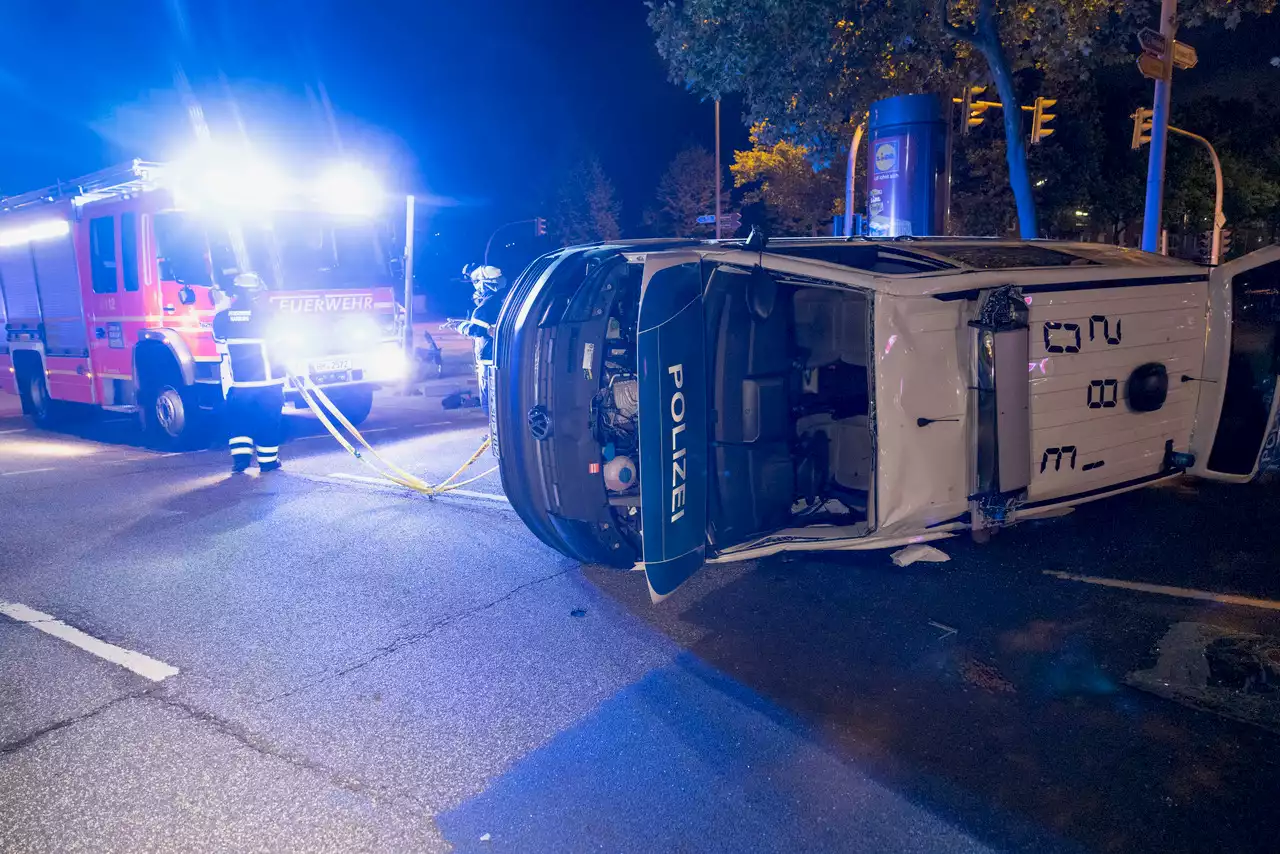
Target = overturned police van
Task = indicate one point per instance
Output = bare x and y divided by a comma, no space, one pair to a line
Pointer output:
673,403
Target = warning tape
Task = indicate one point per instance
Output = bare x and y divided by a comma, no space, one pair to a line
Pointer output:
319,403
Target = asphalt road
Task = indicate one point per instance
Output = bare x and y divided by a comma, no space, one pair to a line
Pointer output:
364,669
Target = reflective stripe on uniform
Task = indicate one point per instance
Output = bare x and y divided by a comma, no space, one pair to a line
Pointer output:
237,452
240,440
263,449
266,458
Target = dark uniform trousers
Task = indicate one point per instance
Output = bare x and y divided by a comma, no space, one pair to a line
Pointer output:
254,386
254,416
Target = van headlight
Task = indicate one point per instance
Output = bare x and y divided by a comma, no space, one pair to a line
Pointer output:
388,363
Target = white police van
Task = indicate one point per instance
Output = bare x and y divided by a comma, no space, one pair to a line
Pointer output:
673,403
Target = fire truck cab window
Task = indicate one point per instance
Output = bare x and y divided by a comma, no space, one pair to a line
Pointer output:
102,254
129,250
183,249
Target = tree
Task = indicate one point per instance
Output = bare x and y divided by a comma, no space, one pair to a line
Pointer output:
687,191
808,66
585,208
798,198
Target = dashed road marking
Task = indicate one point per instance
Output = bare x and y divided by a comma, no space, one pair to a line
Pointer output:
143,665
9,432
1166,590
24,471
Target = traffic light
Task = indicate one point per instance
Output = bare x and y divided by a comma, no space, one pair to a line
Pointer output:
1204,246
540,227
970,111
1039,118
1224,244
1141,128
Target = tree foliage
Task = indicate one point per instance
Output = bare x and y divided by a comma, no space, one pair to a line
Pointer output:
798,199
586,208
687,191
810,67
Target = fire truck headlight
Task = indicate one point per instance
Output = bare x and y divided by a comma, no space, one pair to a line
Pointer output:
286,338
349,188
360,332
388,363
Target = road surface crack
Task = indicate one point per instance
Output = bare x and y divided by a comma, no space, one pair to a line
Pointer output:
407,640
35,735
261,746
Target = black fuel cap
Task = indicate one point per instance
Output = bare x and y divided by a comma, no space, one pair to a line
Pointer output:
1148,387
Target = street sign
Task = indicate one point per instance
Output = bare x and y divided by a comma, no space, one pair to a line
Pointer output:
1152,42
706,219
1184,55
731,222
1152,67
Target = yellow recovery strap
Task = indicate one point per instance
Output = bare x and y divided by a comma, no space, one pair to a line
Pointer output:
319,402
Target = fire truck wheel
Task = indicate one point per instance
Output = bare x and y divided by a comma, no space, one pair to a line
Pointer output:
354,403
171,416
44,410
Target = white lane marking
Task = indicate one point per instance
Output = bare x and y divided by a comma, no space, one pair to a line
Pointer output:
8,432
143,665
377,481
23,471
1165,590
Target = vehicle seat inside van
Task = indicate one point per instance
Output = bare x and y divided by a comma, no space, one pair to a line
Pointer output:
748,322
831,326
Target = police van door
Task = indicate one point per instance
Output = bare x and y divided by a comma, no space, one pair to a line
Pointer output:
1109,406
672,421
1236,431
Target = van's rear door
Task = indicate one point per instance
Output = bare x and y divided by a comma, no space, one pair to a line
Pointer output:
672,421
1236,428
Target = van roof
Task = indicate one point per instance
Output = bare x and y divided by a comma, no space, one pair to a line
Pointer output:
943,267
916,256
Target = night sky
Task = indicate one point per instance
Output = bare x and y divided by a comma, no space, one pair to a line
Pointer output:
477,102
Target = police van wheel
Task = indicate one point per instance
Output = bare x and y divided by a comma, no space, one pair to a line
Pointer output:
354,404
172,417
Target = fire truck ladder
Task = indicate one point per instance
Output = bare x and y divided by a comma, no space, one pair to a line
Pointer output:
132,177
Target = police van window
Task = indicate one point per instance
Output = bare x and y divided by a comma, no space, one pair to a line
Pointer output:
863,256
102,254
1007,257
129,250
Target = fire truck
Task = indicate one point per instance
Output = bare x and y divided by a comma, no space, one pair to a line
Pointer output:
109,285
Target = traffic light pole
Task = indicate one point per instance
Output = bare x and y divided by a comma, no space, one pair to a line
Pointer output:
719,179
410,206
1219,220
1159,132
489,243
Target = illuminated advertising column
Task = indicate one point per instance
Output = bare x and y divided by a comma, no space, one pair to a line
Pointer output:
906,166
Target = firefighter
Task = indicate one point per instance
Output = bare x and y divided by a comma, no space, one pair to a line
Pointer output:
490,290
252,383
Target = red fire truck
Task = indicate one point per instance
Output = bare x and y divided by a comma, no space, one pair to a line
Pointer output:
108,287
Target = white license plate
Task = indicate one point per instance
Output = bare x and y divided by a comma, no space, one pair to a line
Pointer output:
328,366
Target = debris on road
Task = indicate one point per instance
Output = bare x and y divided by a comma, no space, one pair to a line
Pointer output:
979,674
919,552
947,631
1232,674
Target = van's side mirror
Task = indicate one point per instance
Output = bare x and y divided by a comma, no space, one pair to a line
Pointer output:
186,295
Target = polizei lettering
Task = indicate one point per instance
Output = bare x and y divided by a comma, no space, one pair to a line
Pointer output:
678,474
316,303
